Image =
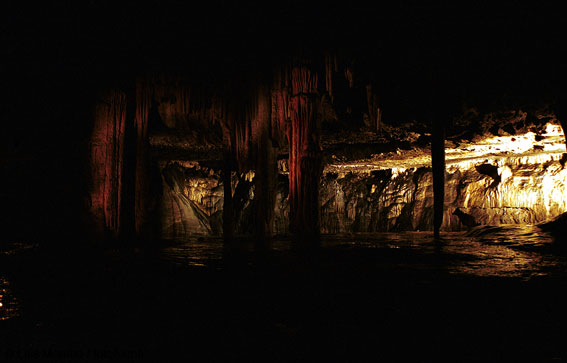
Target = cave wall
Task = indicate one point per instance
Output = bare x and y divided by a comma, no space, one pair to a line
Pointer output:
193,200
189,205
531,189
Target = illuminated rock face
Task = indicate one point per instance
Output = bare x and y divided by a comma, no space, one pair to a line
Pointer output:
182,212
383,200
531,189
193,198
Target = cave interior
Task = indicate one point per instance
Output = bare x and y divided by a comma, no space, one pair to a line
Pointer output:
130,127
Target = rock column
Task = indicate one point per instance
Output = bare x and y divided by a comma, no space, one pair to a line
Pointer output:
266,166
438,165
305,166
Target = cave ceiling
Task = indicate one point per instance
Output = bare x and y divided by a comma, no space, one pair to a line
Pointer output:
490,56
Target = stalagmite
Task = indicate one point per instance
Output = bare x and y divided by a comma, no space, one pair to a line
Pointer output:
374,112
280,109
305,165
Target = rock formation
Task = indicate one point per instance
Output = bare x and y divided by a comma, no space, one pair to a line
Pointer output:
355,199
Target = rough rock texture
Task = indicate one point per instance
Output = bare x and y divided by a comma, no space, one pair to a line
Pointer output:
191,203
502,167
193,198
531,190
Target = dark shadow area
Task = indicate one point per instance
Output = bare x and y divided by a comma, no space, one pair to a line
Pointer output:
347,302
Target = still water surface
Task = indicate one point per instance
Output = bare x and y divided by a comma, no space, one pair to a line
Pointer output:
509,251
519,251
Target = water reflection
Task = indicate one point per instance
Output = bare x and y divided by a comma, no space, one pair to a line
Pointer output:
520,251
510,250
197,251
9,306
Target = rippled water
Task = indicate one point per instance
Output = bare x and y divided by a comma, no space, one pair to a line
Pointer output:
520,251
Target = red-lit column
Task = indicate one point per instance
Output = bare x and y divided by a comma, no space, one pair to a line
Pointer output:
305,165
107,163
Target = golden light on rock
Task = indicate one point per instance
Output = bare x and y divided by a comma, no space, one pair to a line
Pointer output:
509,179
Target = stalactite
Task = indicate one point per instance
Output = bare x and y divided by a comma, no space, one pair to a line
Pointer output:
182,105
129,167
242,141
330,68
349,77
280,103
107,159
304,155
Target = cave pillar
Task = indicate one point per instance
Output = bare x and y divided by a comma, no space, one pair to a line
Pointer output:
438,166
107,164
118,164
265,168
228,205
305,165
127,228
142,157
